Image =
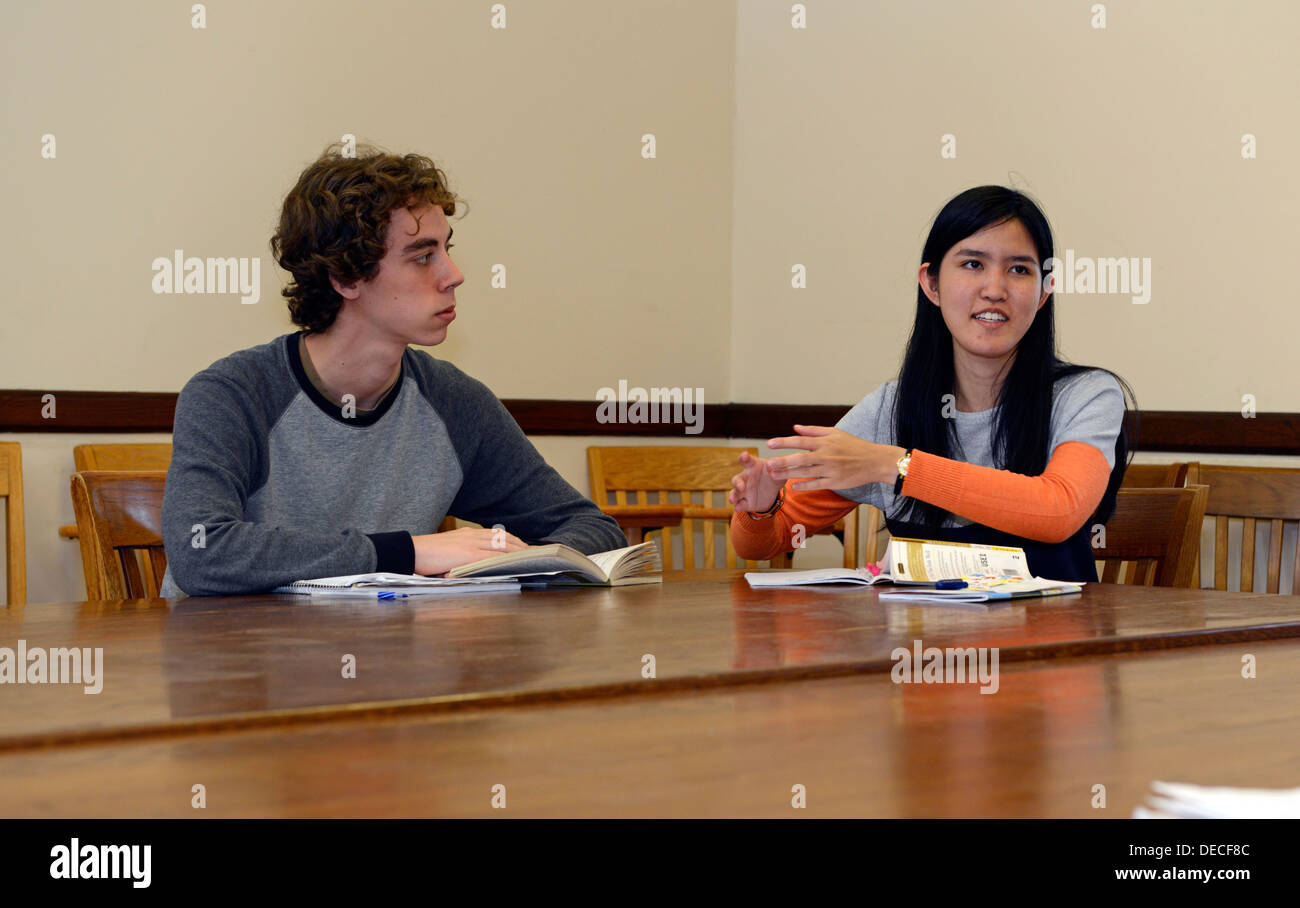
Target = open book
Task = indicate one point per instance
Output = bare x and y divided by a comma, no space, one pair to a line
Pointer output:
978,572
557,565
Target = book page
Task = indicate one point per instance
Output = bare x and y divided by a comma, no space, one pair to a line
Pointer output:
520,567
646,560
532,560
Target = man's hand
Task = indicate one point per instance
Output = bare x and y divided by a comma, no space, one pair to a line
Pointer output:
753,489
835,459
438,553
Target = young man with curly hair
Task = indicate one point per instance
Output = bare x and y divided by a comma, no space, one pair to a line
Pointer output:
337,449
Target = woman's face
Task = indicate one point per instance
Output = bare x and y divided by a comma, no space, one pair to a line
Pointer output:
989,288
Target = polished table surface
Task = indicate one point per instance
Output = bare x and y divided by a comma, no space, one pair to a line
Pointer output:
208,664
859,745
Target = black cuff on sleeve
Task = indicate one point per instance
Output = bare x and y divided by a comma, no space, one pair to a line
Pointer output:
396,552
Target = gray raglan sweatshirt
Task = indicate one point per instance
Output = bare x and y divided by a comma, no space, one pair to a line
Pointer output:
270,482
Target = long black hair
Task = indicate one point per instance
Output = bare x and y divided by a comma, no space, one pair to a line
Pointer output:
1022,426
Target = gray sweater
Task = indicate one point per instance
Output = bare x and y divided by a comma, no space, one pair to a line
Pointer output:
271,483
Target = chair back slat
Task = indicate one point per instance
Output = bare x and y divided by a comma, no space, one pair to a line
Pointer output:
710,533
157,559
1274,556
128,562
688,543
852,537
665,547
1220,552
1248,555
1295,565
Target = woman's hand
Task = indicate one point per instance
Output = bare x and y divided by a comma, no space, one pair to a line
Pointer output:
834,459
438,553
754,489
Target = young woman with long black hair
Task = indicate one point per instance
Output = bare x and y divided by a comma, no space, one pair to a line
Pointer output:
987,435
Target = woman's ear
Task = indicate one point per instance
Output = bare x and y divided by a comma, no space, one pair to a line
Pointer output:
929,283
1047,290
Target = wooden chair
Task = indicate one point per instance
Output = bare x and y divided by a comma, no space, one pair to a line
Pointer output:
11,490
1158,531
119,522
1251,495
664,472
1155,476
118,457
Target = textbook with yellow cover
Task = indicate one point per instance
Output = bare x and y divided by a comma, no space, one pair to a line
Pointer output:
976,573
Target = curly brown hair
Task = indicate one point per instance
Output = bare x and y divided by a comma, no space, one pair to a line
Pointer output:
335,223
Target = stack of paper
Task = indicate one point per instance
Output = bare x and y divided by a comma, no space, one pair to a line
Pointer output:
1173,800
396,586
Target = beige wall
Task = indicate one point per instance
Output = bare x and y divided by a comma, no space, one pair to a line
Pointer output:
1130,137
171,138
775,146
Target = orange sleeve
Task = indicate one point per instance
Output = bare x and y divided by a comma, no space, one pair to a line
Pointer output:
759,540
1046,508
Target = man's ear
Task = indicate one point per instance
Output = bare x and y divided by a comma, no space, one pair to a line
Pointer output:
929,283
347,291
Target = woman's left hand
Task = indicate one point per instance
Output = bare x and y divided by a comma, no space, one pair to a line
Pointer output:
834,459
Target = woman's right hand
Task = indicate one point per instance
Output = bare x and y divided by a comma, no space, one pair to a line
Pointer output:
753,489
438,553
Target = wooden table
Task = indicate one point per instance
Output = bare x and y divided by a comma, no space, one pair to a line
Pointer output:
860,745
213,662
543,692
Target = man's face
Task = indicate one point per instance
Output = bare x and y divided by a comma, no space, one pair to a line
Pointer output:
412,299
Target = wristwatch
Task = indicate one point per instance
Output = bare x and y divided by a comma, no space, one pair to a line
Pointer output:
771,511
903,463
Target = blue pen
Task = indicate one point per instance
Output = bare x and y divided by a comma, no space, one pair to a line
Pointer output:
950,585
